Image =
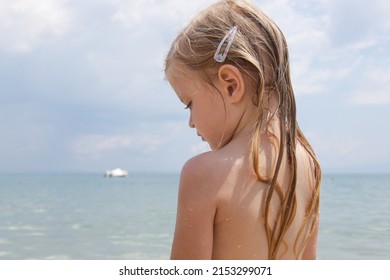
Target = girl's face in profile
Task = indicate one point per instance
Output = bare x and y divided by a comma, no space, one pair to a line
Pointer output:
207,112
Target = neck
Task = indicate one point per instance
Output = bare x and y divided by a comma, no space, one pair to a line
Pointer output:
250,117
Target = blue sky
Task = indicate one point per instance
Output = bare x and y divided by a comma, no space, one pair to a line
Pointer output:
82,85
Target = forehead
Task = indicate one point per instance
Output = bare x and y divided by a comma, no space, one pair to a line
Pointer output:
185,81
178,71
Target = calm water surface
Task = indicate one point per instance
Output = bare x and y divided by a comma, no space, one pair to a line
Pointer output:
87,216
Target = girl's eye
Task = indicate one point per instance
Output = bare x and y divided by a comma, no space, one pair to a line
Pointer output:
188,106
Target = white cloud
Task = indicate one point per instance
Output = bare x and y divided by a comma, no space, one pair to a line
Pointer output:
96,146
24,23
375,89
334,42
358,23
337,151
101,72
144,14
307,39
146,139
311,80
345,152
338,146
92,146
373,97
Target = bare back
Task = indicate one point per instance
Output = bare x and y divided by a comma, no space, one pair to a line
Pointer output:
239,225
222,215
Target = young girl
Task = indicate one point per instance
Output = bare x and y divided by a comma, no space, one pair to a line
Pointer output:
256,194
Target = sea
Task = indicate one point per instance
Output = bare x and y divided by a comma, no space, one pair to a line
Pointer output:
90,217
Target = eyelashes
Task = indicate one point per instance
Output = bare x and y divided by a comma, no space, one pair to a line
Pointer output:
188,106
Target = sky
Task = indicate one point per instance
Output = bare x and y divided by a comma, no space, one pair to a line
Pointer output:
82,85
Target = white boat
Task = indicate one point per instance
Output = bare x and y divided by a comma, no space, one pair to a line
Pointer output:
118,172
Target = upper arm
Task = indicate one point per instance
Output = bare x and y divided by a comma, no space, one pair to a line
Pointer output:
196,208
309,176
310,252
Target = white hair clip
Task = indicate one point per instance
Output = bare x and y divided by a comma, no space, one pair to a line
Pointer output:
220,57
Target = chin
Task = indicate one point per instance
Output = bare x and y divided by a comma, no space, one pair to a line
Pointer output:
213,148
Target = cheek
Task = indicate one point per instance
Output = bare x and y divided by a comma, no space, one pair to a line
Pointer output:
219,111
209,112
216,119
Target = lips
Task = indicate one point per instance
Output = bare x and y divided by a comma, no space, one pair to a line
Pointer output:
200,136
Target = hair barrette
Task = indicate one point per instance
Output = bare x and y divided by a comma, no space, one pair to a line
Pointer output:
220,57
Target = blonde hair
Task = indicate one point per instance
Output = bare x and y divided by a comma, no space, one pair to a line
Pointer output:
260,51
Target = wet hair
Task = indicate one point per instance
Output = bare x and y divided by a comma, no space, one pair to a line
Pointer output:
260,51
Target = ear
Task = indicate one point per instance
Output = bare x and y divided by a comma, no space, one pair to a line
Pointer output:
231,82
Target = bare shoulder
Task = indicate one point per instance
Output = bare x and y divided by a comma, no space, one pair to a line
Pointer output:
203,168
194,176
197,165
196,210
201,180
